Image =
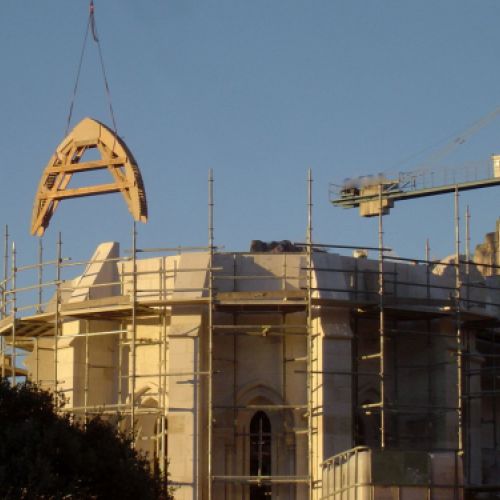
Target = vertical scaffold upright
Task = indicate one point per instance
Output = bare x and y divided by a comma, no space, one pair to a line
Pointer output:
3,345
381,286
458,325
133,333
210,329
57,319
310,338
3,314
14,313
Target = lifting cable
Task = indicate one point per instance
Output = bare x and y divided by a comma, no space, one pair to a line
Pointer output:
91,26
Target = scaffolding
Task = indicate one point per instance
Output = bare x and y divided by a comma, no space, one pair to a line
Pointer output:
139,301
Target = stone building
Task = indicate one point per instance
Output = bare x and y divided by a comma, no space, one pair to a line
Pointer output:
255,369
488,254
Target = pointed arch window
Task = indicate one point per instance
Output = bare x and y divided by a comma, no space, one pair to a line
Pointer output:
260,454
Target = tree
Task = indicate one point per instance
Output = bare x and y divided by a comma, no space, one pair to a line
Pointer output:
46,455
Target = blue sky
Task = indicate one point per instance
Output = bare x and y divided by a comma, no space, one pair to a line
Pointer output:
259,91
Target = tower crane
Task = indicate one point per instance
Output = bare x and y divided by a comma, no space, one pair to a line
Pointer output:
366,192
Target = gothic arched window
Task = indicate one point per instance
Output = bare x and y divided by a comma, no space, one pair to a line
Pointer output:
260,454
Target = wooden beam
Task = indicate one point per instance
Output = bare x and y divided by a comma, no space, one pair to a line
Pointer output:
87,166
83,191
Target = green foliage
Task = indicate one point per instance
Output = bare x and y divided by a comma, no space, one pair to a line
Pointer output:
45,455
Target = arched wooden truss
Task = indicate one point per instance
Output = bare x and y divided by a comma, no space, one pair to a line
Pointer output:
115,157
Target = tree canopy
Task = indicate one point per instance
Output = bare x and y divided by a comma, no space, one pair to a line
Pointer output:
47,455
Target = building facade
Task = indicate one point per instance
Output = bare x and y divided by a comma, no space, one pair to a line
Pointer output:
244,373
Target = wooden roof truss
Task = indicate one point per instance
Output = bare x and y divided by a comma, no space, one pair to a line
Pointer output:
66,162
